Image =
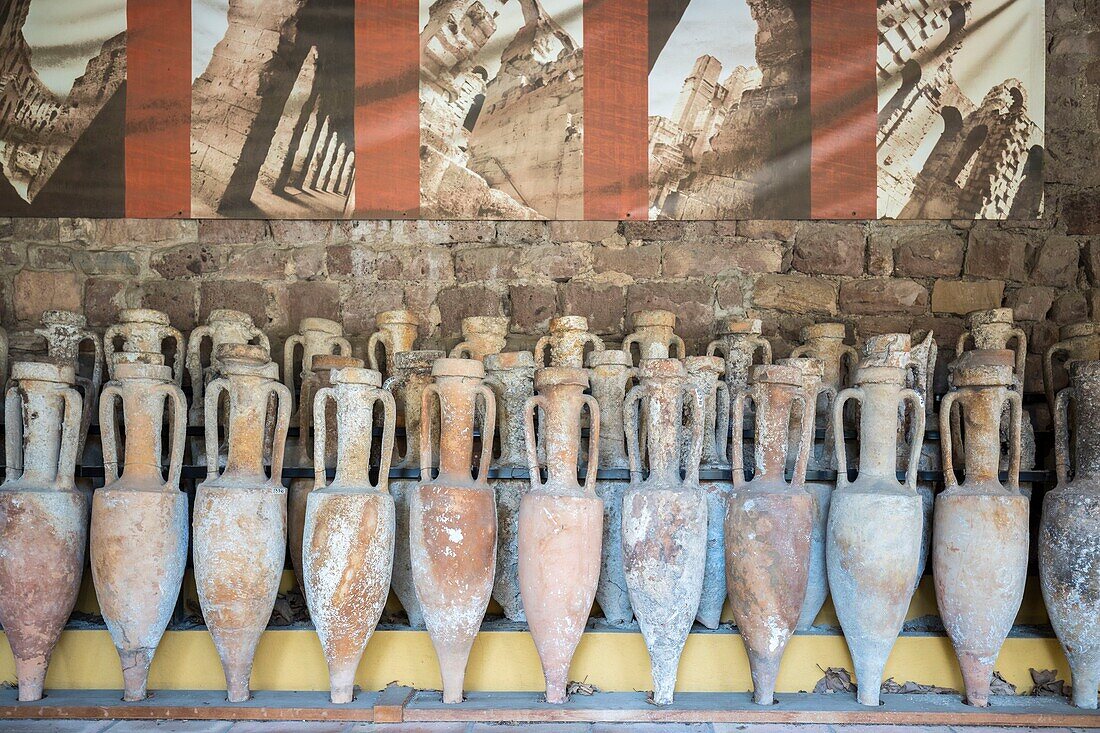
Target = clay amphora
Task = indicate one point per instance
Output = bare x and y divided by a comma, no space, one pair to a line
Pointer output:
664,519
64,332
817,579
223,326
610,373
397,332
564,347
3,356
739,340
980,539
703,374
1077,341
452,518
511,376
654,336
769,523
995,329
481,336
316,336
560,524
825,341
139,520
875,523
143,331
1069,532
43,517
412,374
316,379
240,514
349,525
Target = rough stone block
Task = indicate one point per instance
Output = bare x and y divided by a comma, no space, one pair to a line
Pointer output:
234,231
582,231
880,295
829,249
1057,263
603,304
36,230
1081,212
1030,303
532,307
691,300
245,296
103,299
722,257
796,294
993,253
106,262
36,291
301,232
49,257
486,263
1069,307
638,262
367,298
177,298
188,260
307,298
459,301
424,263
520,232
962,297
662,230
730,294
765,229
559,262
926,252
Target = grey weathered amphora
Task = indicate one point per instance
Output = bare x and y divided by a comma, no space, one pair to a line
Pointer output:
315,337
299,488
980,538
412,374
654,336
610,373
3,356
704,378
397,332
820,458
222,327
139,519
240,514
560,524
452,517
1069,531
873,538
142,332
825,342
769,523
664,518
349,524
1076,342
43,517
511,376
64,332
738,341
481,336
566,343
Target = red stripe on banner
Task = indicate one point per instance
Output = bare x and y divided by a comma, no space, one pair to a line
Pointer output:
616,109
158,108
387,108
844,108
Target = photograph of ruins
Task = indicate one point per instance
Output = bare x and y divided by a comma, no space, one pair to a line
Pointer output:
501,109
62,107
960,114
271,109
729,118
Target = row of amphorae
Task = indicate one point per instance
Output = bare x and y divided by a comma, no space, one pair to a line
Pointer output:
665,547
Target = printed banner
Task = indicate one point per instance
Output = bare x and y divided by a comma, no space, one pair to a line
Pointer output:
522,109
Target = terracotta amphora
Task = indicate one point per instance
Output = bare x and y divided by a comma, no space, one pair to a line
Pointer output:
222,327
873,539
43,517
769,523
996,329
3,356
240,514
817,579
298,490
452,518
1069,532
825,341
481,336
664,518
315,337
64,332
565,346
654,336
610,373
397,332
349,525
980,538
1076,342
143,331
704,378
511,376
560,524
412,374
139,519
738,341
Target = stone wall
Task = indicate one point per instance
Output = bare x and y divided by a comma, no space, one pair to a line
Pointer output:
875,276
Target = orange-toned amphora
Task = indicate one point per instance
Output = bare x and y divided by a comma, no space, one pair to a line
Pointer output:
139,519
453,518
142,332
347,551
43,517
560,524
315,337
769,523
980,537
240,514
222,327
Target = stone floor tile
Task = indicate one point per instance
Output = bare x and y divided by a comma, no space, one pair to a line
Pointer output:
651,728
530,728
288,726
771,728
170,726
409,728
54,726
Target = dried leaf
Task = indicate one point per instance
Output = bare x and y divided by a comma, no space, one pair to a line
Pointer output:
836,679
1046,684
1001,686
580,688
913,688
